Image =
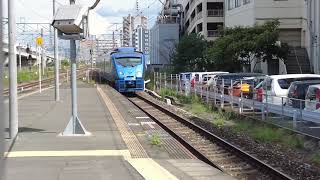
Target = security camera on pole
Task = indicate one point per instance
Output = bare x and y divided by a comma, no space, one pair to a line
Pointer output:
71,21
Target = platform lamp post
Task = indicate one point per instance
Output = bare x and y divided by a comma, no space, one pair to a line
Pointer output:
71,23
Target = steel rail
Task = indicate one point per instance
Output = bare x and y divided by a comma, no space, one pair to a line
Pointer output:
227,145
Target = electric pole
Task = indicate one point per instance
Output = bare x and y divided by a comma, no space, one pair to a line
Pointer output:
13,98
56,60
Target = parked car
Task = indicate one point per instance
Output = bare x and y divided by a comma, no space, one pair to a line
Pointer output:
312,102
245,86
209,77
297,93
228,78
276,87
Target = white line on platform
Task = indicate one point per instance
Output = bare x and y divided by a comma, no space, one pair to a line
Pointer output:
14,154
143,117
150,169
133,124
150,124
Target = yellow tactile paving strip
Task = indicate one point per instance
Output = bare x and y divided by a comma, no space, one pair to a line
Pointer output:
133,144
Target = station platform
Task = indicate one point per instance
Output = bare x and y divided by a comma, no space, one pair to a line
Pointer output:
119,146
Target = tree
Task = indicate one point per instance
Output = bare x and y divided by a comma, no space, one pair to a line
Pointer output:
240,46
189,55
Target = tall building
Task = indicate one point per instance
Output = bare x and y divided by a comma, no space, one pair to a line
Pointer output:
141,40
203,17
140,21
127,30
165,34
163,40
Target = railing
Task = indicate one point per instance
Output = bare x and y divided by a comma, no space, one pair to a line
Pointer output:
213,33
290,113
215,12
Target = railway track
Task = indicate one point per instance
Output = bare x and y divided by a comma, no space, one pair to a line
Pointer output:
44,83
207,146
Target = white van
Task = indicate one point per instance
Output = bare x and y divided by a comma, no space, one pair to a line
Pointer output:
312,102
276,87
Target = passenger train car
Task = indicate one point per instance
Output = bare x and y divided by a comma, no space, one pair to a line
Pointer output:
125,69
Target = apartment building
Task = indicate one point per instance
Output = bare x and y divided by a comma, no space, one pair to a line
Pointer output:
290,13
127,30
203,17
141,38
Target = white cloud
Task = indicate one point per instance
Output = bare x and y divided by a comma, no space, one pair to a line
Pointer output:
108,11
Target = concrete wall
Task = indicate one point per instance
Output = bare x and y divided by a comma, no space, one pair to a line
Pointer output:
241,16
163,40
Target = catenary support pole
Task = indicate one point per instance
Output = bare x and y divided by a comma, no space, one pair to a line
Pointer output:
2,160
13,98
56,60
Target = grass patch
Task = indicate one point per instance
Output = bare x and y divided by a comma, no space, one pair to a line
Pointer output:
241,126
316,158
267,134
292,141
155,140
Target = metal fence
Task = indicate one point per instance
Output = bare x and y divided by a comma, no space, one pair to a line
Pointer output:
272,109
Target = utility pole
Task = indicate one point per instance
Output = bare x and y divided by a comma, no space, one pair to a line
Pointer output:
13,98
56,60
1,102
43,58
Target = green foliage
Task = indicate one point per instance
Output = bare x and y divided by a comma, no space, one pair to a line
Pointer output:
241,126
267,134
65,63
218,119
155,140
316,158
241,45
292,141
189,54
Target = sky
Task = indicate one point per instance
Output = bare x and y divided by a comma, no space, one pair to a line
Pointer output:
106,13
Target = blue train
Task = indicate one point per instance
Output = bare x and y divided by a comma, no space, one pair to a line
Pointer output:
125,69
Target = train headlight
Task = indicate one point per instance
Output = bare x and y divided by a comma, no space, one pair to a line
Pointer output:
139,74
121,73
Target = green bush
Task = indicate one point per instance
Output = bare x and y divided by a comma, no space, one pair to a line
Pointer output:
267,134
316,158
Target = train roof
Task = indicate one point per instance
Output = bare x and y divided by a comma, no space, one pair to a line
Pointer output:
125,50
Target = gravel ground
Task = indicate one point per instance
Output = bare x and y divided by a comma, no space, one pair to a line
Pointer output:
293,162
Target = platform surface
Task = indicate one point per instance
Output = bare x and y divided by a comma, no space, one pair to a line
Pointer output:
40,152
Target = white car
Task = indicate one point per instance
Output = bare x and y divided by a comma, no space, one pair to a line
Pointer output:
312,102
208,80
276,87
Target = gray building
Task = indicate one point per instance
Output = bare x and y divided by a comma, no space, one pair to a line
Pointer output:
163,40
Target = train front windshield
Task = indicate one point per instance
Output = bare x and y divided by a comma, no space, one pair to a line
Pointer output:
128,61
